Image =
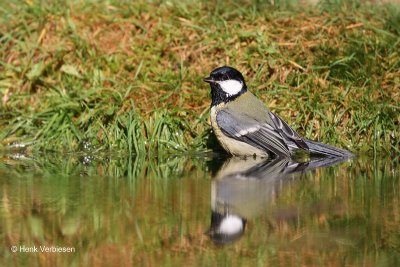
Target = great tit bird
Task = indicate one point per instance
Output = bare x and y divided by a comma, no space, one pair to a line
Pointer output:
245,127
242,189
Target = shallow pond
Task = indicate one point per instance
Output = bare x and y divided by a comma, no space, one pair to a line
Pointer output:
87,210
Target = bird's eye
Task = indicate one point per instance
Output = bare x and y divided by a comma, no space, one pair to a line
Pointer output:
225,77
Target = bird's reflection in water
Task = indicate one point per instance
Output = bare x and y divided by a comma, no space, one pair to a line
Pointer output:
243,188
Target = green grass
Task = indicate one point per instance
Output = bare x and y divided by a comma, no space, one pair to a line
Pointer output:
127,76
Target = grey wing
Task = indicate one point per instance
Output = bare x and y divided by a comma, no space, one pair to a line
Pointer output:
287,132
258,134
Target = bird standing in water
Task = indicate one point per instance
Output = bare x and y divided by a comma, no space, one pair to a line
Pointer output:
245,127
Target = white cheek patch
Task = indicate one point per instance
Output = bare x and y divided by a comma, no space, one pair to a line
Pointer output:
231,225
231,87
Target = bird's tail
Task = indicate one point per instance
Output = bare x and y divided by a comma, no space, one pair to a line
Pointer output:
327,150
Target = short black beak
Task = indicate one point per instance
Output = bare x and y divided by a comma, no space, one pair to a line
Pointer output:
208,80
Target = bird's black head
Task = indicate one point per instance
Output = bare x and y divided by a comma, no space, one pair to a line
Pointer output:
226,84
225,227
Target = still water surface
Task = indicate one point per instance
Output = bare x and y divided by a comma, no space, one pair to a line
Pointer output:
197,211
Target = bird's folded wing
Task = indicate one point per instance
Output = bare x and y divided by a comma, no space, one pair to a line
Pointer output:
258,134
287,132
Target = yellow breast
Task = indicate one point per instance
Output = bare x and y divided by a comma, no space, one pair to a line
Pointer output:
233,146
